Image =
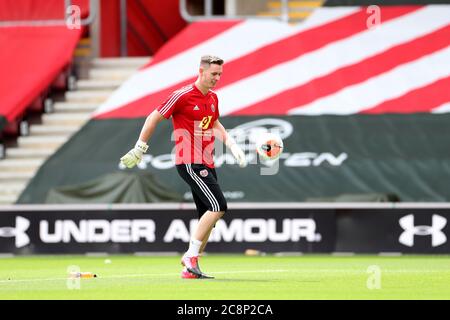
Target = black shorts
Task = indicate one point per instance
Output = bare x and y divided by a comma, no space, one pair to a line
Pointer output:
205,189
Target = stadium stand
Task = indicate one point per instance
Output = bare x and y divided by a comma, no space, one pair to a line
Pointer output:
64,73
27,11
297,10
67,116
35,61
358,85
38,56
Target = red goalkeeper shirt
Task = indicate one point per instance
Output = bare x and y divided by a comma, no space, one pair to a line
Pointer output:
193,116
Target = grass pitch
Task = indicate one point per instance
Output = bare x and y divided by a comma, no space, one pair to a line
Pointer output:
238,277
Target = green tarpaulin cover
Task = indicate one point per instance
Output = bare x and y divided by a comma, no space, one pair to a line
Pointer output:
117,187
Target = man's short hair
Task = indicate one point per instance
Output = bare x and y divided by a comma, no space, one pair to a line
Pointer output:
208,60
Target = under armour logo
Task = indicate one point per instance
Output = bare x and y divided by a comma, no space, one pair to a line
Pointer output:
22,238
437,236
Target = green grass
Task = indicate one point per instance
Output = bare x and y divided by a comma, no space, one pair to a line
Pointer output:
238,277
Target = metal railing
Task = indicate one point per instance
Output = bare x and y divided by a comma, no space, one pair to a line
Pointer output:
209,9
93,6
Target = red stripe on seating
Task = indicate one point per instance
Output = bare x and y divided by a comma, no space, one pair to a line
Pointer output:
191,36
423,99
350,75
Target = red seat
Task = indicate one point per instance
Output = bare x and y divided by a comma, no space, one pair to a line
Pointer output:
31,59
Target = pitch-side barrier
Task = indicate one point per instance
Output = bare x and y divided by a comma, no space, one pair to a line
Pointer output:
291,228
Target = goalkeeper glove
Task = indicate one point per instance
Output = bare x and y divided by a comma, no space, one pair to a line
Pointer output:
237,152
134,156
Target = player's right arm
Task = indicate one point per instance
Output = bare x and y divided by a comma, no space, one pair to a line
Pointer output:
164,111
134,156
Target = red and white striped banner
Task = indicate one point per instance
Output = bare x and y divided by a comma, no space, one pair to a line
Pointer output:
333,63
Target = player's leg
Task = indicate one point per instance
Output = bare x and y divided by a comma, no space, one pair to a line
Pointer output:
205,242
209,218
220,194
204,184
211,197
205,225
201,210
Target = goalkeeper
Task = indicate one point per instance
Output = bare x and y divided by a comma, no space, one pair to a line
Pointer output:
195,111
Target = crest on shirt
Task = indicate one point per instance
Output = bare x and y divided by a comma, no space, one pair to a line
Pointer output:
204,173
196,108
213,109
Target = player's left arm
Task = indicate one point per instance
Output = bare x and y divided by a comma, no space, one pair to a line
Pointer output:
221,133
